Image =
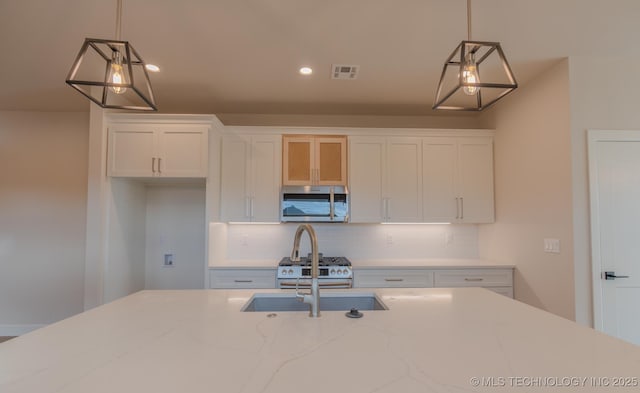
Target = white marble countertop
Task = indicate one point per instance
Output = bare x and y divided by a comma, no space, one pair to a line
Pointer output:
430,340
381,263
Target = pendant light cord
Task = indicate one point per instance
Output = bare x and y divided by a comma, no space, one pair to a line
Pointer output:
118,20
468,20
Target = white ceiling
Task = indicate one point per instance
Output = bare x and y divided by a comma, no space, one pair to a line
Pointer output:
242,56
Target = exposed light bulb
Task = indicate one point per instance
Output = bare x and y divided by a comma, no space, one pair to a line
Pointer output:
470,75
116,74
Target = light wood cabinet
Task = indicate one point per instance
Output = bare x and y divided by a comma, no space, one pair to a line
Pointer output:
385,179
458,180
157,150
250,178
314,160
242,278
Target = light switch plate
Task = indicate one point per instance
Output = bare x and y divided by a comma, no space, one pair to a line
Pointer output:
552,246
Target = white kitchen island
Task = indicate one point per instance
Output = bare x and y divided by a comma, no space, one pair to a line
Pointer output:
430,340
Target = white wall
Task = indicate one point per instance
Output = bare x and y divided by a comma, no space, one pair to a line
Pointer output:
533,191
124,273
147,221
267,244
175,224
604,95
43,186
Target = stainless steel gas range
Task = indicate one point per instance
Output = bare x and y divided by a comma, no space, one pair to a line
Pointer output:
335,272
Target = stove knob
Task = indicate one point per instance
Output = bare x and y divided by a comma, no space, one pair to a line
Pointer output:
284,272
332,271
290,271
344,271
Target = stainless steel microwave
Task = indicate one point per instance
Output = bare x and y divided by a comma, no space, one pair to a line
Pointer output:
314,204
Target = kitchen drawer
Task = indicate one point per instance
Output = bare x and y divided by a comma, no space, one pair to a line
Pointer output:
506,291
230,278
392,278
474,278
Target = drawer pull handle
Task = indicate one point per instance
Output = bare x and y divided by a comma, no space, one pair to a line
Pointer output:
473,279
242,280
394,279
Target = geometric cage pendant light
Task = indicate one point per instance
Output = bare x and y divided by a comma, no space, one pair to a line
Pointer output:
474,76
112,74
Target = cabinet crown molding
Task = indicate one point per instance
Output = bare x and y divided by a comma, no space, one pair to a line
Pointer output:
356,131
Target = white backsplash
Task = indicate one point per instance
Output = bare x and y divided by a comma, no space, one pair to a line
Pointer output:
245,242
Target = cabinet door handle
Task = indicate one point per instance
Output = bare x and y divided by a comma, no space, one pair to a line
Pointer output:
462,208
247,207
394,279
251,207
457,208
384,209
241,281
388,208
153,165
159,162
473,279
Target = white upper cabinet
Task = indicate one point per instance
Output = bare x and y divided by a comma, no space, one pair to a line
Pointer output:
475,180
421,179
366,170
403,180
458,180
385,179
250,183
440,159
153,150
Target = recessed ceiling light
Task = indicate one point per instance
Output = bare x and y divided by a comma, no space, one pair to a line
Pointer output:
306,71
152,68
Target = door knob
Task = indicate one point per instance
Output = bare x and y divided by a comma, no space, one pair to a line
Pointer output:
612,276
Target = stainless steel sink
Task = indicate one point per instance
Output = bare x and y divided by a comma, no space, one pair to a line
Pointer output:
270,302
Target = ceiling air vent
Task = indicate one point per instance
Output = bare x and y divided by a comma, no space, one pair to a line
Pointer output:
341,71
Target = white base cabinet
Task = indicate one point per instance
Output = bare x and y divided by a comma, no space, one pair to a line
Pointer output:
393,278
499,280
242,278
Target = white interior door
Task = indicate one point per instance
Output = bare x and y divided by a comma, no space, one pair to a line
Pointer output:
614,171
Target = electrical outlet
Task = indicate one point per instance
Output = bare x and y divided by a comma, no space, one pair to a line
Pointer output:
389,239
552,246
168,260
448,238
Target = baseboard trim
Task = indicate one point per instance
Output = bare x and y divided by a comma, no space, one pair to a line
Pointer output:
18,330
